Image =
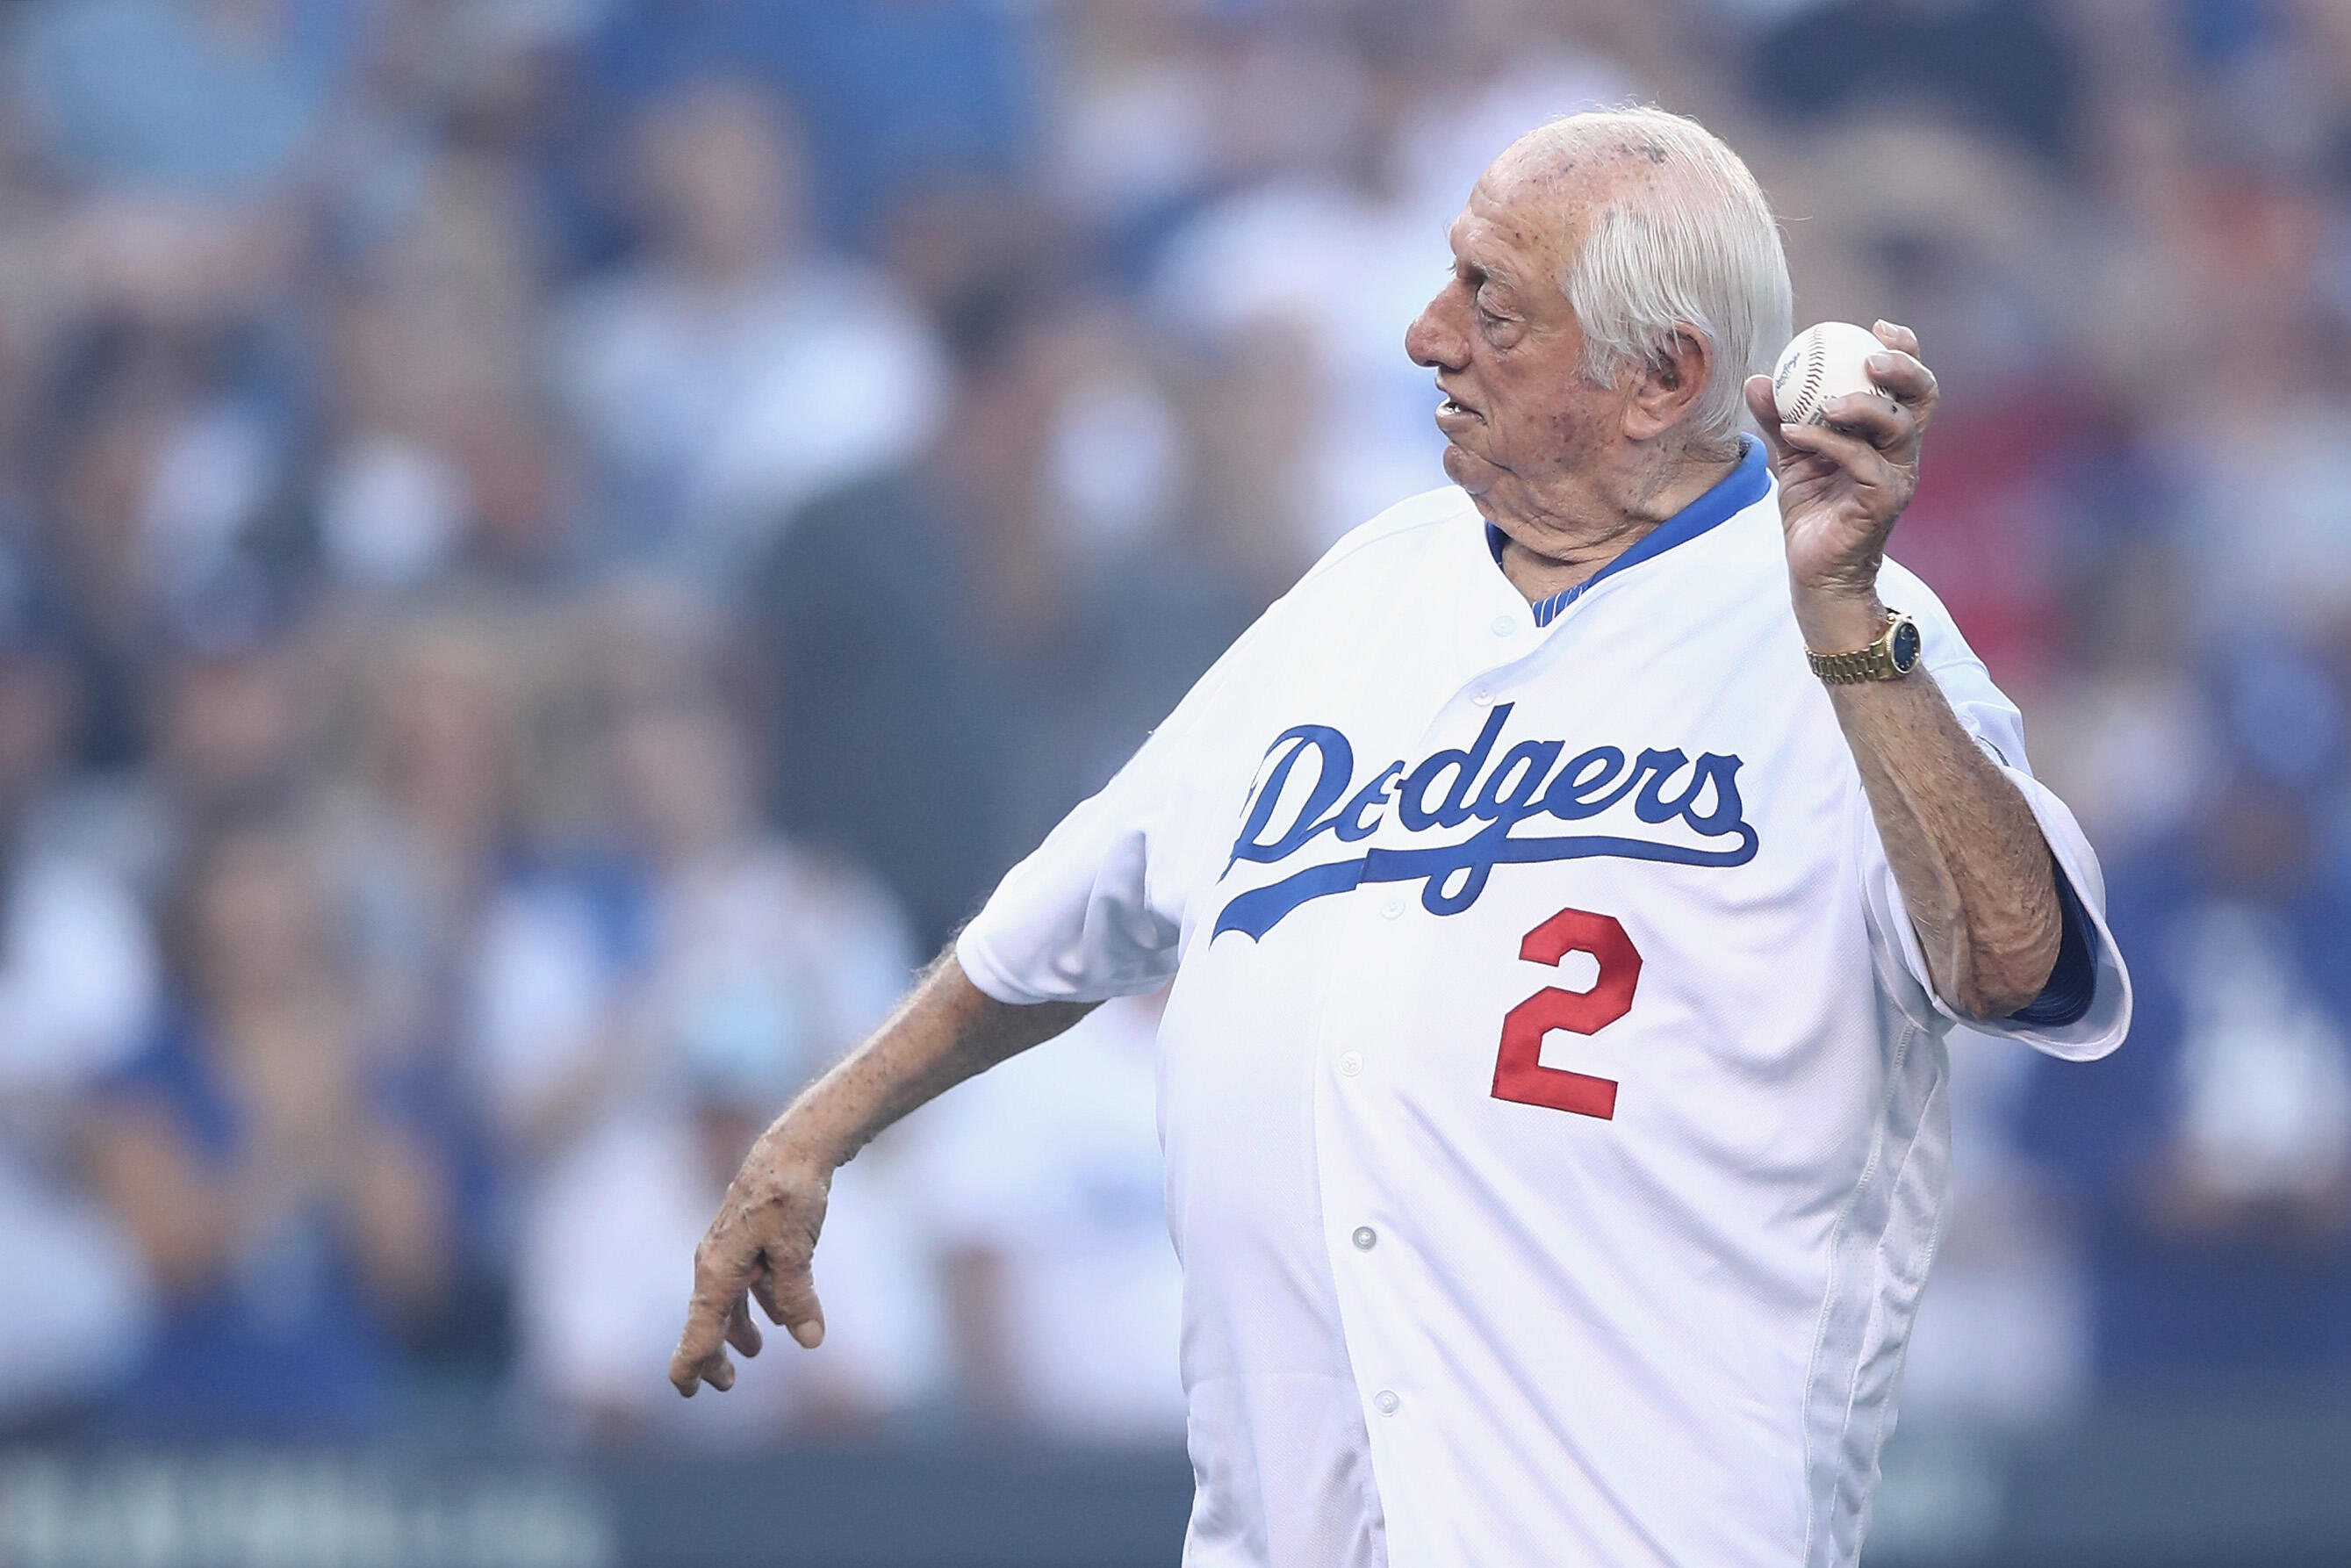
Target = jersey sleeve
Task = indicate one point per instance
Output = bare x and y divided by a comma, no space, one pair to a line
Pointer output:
1097,910
1994,723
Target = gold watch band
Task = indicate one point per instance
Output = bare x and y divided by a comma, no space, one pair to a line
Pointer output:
1874,663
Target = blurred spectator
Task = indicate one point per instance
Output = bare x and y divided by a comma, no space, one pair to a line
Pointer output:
443,458
2274,410
1136,129
1251,402
890,720
217,96
889,716
487,517
1080,566
2127,734
228,732
292,1219
1332,253
233,728
733,371
162,459
755,963
2213,1161
1045,1198
435,821
2002,65
1123,587
1958,251
76,984
897,94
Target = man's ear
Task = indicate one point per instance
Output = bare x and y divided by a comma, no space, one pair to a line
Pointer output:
1664,389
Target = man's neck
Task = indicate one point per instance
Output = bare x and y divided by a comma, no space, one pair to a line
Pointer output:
1557,550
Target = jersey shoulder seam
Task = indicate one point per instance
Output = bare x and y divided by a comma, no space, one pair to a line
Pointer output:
1428,509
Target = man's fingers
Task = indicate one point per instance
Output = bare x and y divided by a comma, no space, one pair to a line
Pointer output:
1902,373
711,1316
1883,422
688,1373
742,1332
1866,465
1765,404
793,1304
695,1345
763,1291
1897,337
1903,378
1908,382
701,1354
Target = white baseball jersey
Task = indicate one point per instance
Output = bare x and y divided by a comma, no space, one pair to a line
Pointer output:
1552,1086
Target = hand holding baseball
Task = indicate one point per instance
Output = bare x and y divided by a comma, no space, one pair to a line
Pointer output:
1844,480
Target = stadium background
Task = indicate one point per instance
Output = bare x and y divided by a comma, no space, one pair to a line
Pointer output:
551,549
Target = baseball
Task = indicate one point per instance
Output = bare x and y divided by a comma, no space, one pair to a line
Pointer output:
1824,363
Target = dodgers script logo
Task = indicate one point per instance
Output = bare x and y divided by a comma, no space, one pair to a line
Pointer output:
1529,781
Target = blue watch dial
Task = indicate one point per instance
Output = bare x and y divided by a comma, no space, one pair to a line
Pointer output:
1906,647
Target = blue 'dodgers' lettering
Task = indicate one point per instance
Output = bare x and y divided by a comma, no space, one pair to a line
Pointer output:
1412,800
1520,787
1336,761
1361,818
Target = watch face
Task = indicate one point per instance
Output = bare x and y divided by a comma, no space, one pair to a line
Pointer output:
1906,647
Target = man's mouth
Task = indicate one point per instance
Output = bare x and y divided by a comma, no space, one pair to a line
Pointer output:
1454,407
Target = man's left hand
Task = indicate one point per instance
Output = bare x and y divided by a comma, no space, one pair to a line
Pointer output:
1843,483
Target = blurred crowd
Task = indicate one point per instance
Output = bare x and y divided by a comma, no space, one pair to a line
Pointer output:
551,549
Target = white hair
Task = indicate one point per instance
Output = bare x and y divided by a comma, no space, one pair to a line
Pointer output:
1695,250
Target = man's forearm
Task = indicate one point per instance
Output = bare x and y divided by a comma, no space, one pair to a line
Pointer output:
947,1030
1966,851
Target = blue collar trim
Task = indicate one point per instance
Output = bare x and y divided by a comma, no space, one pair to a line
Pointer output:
1729,495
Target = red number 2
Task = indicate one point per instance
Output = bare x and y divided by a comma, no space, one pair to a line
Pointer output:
1519,1071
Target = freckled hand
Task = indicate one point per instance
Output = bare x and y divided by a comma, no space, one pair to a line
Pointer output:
1843,483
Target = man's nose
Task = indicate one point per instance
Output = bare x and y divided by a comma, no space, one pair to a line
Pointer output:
1430,340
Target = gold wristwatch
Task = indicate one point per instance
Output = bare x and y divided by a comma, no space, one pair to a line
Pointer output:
1893,655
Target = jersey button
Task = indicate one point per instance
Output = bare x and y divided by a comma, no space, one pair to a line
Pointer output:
1350,1062
1385,1402
1365,1239
1483,697
1392,908
1504,626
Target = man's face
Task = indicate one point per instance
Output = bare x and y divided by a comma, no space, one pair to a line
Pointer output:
1520,420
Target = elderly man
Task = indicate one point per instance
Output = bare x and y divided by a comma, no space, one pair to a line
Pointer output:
1575,1209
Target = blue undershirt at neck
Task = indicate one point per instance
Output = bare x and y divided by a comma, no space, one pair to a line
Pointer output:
1733,494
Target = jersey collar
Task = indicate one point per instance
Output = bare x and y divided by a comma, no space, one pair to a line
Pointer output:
1729,495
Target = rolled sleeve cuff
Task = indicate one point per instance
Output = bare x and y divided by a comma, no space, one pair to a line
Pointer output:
2074,980
2104,1016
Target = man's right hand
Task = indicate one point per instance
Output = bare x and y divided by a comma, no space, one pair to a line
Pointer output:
759,1246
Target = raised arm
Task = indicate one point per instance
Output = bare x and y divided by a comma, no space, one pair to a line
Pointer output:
945,1030
1965,850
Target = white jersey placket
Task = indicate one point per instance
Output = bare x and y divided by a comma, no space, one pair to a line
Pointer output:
1352,1057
